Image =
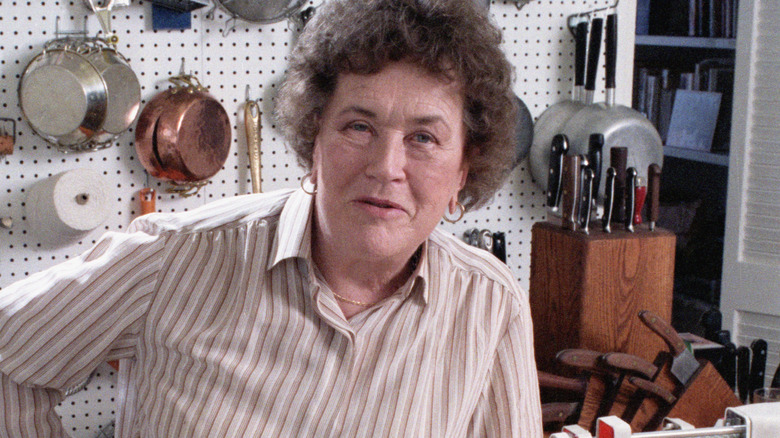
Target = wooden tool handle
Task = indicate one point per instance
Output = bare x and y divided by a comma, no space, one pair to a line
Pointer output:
253,138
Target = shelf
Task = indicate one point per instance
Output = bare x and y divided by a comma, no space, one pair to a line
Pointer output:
682,41
700,156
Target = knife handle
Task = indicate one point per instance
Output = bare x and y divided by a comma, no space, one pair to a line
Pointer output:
595,152
253,138
631,181
743,372
580,52
664,330
651,388
618,159
548,380
580,358
609,200
559,146
587,200
594,53
654,193
499,245
147,199
570,198
630,363
640,194
757,365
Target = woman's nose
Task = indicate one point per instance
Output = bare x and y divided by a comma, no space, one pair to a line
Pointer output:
387,160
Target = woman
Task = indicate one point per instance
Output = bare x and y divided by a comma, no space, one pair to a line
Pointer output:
334,310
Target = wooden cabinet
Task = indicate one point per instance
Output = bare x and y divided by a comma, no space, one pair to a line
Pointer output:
586,290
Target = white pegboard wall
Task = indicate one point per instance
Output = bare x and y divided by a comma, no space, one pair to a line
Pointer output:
537,41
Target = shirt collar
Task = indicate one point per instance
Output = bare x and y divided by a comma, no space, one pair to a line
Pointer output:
293,240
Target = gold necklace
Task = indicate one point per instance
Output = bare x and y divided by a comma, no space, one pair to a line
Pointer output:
357,303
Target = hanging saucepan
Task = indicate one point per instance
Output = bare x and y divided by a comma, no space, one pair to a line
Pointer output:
183,135
63,96
551,121
124,91
524,131
620,125
79,94
258,11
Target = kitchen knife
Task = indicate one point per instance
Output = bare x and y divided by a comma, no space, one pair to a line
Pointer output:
640,193
757,365
618,158
600,381
621,397
630,363
587,200
499,245
776,379
553,381
743,372
595,152
728,365
662,399
631,184
684,365
558,149
570,190
654,194
609,200
558,412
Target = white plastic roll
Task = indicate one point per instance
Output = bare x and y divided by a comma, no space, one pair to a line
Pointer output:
67,206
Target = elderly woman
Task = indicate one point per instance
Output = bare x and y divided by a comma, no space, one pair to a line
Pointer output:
335,310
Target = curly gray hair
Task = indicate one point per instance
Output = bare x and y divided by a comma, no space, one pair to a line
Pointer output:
453,38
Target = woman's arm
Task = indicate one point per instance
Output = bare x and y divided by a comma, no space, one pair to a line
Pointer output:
58,325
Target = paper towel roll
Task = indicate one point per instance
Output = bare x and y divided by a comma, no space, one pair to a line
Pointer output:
66,206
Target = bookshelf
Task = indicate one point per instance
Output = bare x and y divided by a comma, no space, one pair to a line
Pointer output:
694,178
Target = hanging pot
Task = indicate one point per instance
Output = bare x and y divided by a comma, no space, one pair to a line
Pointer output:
183,135
63,96
79,94
261,11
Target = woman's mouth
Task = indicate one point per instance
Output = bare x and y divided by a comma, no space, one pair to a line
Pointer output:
379,203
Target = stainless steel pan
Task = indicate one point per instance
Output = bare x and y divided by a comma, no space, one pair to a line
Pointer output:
551,121
63,96
620,125
261,11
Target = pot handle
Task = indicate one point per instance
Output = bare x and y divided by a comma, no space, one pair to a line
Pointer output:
188,82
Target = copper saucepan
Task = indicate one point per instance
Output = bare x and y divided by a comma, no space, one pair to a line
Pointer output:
183,135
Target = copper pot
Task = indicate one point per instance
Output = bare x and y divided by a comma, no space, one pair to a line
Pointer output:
183,134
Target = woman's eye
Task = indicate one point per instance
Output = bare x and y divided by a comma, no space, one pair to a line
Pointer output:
360,127
422,137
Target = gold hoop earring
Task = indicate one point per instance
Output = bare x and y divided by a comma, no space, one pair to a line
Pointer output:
303,185
460,216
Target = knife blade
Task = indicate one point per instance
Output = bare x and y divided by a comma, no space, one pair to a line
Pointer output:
631,184
654,194
618,158
684,365
595,152
743,372
609,200
587,200
757,365
570,189
559,146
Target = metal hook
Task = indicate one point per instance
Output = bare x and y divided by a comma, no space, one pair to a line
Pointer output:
230,25
573,20
182,72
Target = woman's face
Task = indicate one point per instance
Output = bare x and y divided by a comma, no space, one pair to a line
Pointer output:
388,160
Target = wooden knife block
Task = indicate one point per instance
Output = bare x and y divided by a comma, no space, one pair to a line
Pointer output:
587,290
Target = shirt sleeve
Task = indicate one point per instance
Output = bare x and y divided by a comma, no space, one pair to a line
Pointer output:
509,406
57,325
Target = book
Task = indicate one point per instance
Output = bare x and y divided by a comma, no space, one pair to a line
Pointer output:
693,120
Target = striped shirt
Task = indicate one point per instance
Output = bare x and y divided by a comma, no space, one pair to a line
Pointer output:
223,329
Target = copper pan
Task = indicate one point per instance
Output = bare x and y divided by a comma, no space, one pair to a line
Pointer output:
183,134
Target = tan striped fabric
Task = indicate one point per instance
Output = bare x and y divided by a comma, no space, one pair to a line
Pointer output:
224,330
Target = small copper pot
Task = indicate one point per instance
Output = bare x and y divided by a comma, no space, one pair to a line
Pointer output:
183,134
